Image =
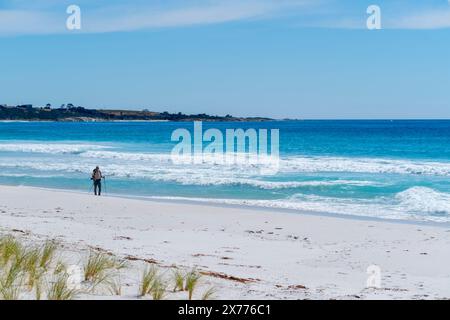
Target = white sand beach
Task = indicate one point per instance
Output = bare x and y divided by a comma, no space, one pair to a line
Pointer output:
245,253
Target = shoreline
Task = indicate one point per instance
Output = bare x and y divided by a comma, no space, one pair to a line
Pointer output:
266,120
69,121
143,120
206,202
292,256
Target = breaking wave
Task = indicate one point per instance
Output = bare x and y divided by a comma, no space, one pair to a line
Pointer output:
414,204
308,164
424,200
289,164
49,148
365,165
183,176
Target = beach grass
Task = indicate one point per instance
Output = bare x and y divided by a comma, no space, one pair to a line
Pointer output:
31,266
11,279
12,273
209,294
99,265
115,286
149,276
38,289
34,272
59,289
47,254
178,280
60,267
10,248
159,289
8,291
192,280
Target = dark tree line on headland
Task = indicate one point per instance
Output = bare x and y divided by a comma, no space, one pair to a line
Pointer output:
72,113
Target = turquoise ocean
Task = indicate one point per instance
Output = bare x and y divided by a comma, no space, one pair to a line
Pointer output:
383,169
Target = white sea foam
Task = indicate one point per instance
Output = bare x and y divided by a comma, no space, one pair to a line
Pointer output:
406,205
198,179
300,164
29,175
50,148
182,175
304,164
424,200
419,203
239,159
128,156
364,165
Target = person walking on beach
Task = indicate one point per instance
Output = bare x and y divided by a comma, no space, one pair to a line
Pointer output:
97,179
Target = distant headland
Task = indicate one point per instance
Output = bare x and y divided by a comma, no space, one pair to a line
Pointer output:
71,113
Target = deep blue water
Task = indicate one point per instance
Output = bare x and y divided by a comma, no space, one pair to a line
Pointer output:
388,169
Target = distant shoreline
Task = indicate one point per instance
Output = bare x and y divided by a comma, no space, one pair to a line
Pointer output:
118,121
80,114
207,120
68,121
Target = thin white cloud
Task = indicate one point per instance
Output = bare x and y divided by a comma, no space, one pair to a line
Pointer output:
29,22
49,16
425,20
121,19
435,19
112,18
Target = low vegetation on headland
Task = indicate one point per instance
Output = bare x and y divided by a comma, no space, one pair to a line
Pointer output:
37,272
70,113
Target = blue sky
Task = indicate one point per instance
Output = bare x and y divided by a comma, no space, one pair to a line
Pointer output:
277,58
